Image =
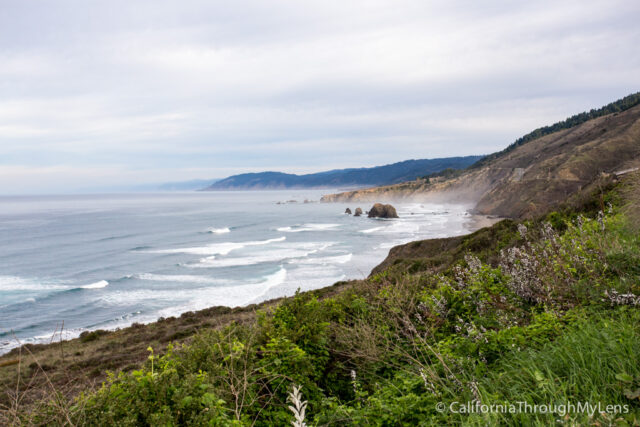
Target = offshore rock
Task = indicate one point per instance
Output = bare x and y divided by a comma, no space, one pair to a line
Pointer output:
382,211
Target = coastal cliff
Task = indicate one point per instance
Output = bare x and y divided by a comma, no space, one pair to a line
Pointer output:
532,177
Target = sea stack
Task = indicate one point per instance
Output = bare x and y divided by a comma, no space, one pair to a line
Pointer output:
348,211
382,211
358,212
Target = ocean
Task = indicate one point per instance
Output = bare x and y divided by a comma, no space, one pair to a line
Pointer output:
89,262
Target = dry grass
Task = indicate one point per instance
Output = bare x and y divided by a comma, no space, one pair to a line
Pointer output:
631,194
555,166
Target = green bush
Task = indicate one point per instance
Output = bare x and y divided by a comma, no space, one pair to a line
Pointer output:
524,319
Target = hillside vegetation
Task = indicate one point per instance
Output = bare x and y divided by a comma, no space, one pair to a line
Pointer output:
537,172
615,107
379,175
541,311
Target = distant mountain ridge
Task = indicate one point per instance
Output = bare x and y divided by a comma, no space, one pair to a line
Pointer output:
380,175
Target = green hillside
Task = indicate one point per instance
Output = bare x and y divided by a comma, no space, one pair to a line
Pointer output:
543,312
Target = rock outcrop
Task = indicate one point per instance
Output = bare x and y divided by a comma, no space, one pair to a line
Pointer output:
382,211
348,211
358,212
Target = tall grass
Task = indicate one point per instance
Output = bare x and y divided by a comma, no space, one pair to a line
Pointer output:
584,365
631,195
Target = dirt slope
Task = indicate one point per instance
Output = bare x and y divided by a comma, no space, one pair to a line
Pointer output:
533,177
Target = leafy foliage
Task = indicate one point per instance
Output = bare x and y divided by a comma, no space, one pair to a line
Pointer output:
547,316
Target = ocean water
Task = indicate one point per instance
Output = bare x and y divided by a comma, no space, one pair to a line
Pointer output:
106,261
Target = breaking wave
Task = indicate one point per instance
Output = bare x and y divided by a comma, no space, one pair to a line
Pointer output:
97,285
308,227
219,230
338,259
217,248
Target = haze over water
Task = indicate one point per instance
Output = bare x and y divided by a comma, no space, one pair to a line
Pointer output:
107,261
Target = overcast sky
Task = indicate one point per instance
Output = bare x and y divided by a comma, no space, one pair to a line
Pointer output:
106,93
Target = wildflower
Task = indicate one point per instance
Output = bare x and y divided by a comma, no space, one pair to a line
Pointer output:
601,219
523,269
473,263
354,381
460,276
473,387
522,230
423,308
299,407
441,306
616,298
409,327
428,385
548,233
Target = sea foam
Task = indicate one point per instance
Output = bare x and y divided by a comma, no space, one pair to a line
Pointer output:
15,283
230,296
338,259
308,227
217,248
274,255
219,230
97,285
181,278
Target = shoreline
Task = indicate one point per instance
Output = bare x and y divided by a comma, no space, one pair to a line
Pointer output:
483,221
81,364
474,222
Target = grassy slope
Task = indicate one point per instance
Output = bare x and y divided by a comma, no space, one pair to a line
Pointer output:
529,179
447,321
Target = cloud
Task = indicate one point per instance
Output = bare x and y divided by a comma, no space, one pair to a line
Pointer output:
223,88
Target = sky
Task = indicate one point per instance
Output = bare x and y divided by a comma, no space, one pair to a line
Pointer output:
105,94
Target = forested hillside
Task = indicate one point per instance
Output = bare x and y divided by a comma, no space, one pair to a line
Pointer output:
379,175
